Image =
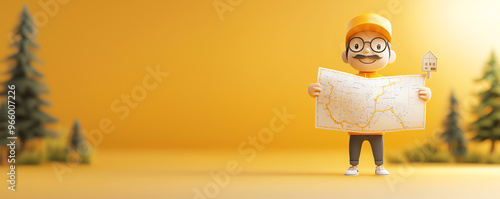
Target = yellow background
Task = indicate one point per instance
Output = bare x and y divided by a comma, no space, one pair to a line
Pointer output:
226,76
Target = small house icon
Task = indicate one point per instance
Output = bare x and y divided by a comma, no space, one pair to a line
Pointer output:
429,62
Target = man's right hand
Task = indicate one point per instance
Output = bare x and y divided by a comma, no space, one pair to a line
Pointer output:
314,89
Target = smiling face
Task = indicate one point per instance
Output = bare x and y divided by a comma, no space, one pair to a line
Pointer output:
368,57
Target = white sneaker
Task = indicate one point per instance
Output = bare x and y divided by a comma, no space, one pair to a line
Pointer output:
352,171
381,171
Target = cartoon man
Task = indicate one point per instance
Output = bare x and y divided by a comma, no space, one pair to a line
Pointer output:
368,50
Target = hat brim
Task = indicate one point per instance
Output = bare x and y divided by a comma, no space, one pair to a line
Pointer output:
367,27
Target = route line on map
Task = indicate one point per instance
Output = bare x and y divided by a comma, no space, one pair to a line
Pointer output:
375,111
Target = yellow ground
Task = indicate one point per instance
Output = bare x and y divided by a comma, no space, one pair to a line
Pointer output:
271,174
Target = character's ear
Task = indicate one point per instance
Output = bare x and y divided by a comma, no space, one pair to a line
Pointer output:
392,57
344,58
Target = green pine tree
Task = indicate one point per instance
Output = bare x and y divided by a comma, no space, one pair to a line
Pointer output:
76,137
30,120
487,126
78,146
4,133
454,135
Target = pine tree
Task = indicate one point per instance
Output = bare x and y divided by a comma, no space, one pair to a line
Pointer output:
454,135
487,126
30,119
4,133
78,146
76,137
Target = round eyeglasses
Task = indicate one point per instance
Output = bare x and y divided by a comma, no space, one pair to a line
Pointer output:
377,44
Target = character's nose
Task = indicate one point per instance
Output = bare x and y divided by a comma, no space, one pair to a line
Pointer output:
367,48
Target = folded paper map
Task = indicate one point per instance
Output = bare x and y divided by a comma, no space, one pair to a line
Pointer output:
369,105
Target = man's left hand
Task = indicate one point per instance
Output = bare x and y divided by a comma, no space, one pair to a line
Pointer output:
425,93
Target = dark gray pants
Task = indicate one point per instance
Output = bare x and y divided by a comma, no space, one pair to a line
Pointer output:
377,143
